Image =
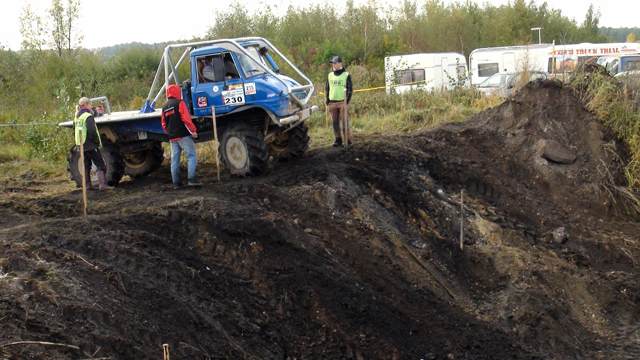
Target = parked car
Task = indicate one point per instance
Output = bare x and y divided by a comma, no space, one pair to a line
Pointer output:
504,84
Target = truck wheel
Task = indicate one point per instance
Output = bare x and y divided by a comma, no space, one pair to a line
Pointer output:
143,163
244,150
292,144
112,160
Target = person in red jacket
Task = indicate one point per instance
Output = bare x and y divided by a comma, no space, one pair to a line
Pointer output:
176,122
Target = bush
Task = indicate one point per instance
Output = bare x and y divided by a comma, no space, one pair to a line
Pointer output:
614,103
44,139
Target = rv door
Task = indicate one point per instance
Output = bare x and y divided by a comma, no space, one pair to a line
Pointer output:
508,62
445,72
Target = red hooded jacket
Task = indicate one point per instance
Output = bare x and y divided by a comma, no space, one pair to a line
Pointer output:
178,123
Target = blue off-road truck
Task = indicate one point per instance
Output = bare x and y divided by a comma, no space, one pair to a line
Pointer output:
260,113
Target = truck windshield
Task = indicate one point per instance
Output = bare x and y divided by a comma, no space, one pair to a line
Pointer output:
610,63
249,66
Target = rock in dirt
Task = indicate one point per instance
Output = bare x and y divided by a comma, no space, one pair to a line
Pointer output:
555,152
560,235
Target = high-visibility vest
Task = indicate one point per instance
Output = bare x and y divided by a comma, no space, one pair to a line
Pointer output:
81,123
337,84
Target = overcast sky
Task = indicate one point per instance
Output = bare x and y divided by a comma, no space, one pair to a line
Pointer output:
106,23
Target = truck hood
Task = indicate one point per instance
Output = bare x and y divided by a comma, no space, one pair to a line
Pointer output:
289,80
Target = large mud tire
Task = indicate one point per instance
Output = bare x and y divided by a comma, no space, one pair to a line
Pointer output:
244,151
143,163
291,145
112,158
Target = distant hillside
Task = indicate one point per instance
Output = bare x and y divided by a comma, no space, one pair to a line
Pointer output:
619,34
113,50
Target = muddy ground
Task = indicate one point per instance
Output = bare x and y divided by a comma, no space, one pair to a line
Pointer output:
344,254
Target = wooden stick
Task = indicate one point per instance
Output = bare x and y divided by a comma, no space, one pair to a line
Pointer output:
82,170
462,219
216,144
326,114
165,351
553,62
345,113
38,343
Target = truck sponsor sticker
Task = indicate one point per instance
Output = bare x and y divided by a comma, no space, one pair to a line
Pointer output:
250,88
233,97
203,101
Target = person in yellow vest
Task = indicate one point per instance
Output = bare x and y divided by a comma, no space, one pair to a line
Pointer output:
337,81
92,143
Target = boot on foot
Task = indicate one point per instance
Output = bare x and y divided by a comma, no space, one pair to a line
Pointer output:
103,181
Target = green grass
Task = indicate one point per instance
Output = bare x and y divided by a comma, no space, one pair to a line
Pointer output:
375,112
614,101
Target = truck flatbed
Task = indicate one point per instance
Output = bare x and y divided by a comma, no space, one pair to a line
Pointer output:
119,116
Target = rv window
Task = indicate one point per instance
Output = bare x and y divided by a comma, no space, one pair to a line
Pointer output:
563,64
404,77
462,71
488,69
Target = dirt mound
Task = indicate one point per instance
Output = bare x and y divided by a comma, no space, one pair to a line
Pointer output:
344,254
538,148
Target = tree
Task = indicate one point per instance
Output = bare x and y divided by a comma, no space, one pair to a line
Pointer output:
32,29
589,28
632,38
64,35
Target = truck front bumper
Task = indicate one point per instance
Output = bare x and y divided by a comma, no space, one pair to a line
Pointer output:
299,116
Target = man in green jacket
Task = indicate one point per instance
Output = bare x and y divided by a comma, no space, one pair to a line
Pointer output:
338,81
91,142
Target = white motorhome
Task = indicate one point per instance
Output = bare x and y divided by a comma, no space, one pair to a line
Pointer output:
567,57
434,71
485,62
540,57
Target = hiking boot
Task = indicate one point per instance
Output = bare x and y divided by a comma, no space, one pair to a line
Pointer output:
338,142
194,183
177,186
103,181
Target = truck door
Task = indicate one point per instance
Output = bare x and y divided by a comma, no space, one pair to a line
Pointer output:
218,84
508,62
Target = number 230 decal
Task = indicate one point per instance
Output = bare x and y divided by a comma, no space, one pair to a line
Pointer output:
233,97
234,100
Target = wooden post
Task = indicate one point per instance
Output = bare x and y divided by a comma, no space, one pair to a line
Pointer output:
165,351
326,114
216,144
462,219
82,171
345,114
553,62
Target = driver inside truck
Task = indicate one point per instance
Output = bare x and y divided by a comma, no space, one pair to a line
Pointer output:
213,69
208,72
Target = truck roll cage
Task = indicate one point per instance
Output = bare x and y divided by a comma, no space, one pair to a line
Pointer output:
168,67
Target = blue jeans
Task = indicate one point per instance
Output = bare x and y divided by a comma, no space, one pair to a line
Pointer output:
189,147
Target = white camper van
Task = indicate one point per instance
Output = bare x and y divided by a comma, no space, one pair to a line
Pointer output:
567,57
540,57
485,62
424,71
